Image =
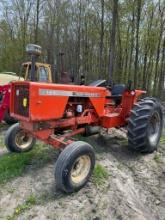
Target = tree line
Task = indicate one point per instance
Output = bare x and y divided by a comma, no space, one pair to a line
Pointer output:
118,40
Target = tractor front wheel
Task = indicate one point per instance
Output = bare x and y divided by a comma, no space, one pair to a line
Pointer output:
74,166
17,140
145,125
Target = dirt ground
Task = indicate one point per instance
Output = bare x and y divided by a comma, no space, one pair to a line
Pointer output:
135,188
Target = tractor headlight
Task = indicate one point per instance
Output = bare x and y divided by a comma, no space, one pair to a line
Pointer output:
25,101
33,49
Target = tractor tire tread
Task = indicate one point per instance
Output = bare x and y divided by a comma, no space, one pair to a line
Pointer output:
63,158
138,124
10,140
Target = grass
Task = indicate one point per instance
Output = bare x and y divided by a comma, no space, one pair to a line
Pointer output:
157,158
100,175
2,144
2,140
31,200
162,139
3,125
21,208
13,165
80,137
123,141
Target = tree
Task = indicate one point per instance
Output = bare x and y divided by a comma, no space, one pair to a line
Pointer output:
101,39
136,62
113,40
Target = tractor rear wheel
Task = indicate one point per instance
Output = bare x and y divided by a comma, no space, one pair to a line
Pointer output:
17,140
145,125
74,166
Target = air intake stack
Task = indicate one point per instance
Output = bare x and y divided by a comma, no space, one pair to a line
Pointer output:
34,51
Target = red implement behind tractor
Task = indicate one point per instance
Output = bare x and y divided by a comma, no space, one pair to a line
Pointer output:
4,102
54,113
5,89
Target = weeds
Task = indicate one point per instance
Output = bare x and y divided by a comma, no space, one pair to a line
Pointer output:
100,175
162,139
21,208
2,144
30,201
157,158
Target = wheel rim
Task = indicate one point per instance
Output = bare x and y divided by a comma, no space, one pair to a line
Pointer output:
23,139
80,169
154,128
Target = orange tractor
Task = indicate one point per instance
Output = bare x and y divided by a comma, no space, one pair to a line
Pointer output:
54,113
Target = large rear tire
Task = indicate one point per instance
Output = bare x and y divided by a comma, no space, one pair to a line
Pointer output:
145,125
74,166
17,140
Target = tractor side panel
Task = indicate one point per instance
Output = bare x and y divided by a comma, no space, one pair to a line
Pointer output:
49,101
98,104
46,107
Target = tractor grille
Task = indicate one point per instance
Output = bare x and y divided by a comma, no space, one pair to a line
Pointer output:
21,100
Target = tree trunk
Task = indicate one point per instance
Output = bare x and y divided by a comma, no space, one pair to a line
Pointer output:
162,21
112,41
37,21
101,40
136,63
125,66
162,71
146,51
132,43
79,43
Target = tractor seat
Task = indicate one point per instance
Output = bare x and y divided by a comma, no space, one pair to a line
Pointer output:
98,83
118,89
117,92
